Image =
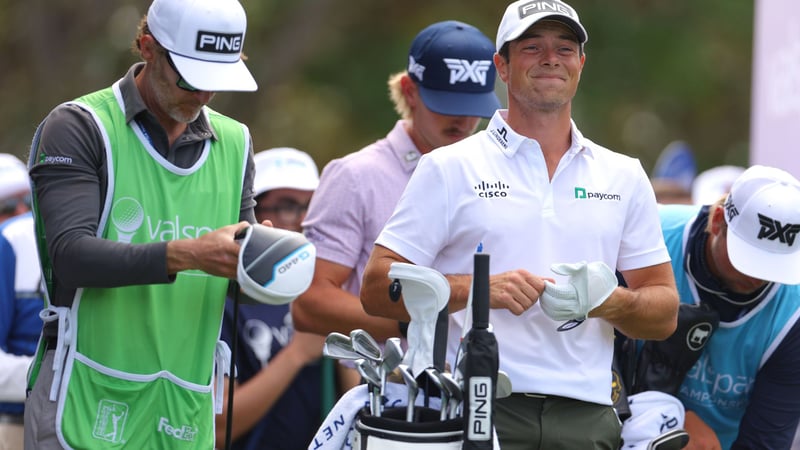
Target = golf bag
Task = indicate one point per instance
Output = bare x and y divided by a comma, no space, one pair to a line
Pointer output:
653,372
430,428
662,365
391,431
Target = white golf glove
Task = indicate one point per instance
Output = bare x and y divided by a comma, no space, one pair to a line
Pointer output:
589,285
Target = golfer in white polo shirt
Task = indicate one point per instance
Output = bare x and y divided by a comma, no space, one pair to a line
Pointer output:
547,204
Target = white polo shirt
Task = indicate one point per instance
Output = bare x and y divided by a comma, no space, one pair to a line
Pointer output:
492,190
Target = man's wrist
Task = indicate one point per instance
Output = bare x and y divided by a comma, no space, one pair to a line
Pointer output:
403,327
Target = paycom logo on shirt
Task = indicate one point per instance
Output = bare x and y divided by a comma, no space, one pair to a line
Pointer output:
583,193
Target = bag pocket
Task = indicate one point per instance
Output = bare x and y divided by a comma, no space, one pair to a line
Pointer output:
105,409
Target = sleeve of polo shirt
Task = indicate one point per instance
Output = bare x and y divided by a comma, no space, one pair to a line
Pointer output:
419,225
334,223
642,241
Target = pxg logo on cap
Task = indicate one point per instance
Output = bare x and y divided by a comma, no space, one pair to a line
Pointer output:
209,41
451,63
762,211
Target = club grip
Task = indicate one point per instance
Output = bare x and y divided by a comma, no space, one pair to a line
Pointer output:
480,291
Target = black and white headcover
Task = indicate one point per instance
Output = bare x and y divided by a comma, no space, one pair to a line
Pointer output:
275,265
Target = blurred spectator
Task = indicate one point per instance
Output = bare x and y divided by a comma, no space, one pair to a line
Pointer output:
738,257
358,192
713,183
20,297
677,164
670,192
277,399
285,180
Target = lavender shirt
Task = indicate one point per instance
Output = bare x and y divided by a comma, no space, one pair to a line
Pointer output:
356,196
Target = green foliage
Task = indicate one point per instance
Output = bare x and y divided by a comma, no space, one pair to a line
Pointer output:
655,71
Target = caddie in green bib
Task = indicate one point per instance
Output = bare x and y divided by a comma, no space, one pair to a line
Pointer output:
111,393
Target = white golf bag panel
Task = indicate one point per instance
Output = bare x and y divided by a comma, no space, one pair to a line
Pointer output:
392,431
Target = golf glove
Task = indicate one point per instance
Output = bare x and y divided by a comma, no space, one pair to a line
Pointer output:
588,286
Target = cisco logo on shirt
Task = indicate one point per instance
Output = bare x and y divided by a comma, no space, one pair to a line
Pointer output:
581,193
492,190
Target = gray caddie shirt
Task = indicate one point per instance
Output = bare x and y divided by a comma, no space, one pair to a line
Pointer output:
71,191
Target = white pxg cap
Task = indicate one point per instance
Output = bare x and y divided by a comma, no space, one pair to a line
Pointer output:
522,14
204,39
763,215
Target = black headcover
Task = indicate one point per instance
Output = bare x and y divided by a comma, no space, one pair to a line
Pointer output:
481,364
662,365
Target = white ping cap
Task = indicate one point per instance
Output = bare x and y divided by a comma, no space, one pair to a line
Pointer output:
204,39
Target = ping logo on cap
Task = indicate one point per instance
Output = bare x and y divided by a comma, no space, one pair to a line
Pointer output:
462,70
540,6
772,229
209,41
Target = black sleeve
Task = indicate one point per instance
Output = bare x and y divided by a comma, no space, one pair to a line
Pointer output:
70,179
771,417
247,211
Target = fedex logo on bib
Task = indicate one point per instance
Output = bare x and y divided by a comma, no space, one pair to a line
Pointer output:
181,433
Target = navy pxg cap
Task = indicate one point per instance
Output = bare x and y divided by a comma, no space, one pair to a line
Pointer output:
451,62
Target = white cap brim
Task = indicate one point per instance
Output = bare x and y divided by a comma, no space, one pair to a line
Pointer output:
215,76
757,263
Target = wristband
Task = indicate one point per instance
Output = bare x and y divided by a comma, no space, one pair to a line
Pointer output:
403,327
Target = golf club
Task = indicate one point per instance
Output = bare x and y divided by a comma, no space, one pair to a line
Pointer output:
444,396
413,389
392,357
366,346
339,346
503,384
456,396
373,380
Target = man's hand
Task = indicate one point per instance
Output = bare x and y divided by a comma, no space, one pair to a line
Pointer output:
515,290
216,252
701,436
588,286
